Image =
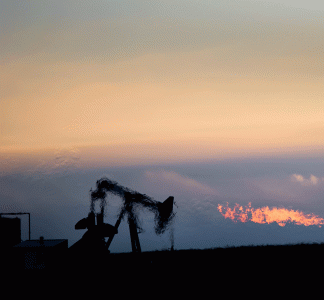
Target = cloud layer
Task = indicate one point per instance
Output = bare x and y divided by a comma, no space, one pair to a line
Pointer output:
181,183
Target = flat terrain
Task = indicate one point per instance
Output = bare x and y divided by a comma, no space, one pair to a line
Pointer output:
254,262
261,265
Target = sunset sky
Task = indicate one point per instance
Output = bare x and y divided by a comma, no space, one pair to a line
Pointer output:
162,85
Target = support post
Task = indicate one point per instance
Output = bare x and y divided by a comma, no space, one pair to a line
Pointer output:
116,227
29,226
134,236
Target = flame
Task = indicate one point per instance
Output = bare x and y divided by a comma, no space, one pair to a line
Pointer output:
265,215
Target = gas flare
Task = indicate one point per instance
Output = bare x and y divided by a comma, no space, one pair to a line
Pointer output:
266,215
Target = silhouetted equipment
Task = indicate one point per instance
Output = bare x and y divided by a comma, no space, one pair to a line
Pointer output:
10,232
10,229
40,254
93,239
82,224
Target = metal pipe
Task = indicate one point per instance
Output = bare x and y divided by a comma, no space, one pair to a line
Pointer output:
29,226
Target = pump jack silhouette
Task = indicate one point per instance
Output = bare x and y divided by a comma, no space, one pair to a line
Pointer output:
94,238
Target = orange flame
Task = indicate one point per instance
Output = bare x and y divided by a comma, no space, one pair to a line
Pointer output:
265,215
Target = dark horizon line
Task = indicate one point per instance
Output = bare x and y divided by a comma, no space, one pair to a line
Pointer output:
230,247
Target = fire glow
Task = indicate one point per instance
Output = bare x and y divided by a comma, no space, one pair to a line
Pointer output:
265,215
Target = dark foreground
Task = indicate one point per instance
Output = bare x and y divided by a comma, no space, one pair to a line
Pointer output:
249,262
253,272
245,259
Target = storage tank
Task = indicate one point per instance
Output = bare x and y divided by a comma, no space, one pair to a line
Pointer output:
10,232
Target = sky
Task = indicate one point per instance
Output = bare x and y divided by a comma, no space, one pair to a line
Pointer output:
218,103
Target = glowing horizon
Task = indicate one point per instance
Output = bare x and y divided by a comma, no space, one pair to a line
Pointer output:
155,81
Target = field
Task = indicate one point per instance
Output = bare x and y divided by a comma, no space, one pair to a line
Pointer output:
227,262
274,269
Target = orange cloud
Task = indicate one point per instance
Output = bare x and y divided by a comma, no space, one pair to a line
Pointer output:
265,215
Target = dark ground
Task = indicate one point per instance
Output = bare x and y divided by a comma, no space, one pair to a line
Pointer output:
273,268
249,263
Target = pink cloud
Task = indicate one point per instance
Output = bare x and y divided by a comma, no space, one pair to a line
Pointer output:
313,180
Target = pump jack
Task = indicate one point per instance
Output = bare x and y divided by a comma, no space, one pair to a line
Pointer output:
94,237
